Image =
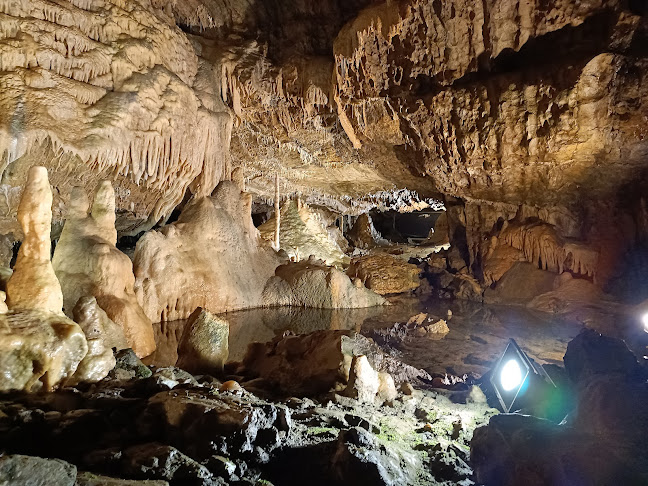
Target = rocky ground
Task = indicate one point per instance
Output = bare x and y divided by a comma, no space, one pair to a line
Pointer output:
147,425
165,425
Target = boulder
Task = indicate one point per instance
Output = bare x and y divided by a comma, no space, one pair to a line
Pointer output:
128,366
520,284
19,470
204,344
36,345
385,274
311,283
591,354
88,263
33,284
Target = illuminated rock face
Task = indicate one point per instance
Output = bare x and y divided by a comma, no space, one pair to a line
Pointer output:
87,263
33,285
109,89
38,349
311,283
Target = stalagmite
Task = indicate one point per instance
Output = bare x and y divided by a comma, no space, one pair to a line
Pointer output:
303,233
87,263
212,257
34,285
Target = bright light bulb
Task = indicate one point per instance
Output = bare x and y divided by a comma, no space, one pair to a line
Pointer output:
644,319
511,375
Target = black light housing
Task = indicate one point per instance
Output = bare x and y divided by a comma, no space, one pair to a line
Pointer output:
518,381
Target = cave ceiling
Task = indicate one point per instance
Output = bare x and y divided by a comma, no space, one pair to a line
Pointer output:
542,103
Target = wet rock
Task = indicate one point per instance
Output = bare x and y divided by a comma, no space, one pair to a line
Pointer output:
127,361
19,470
318,362
591,354
204,344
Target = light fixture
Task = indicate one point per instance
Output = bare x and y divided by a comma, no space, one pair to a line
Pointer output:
644,319
518,381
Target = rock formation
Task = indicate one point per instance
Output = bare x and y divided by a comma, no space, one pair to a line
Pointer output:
33,284
204,345
363,235
302,234
89,315
311,283
37,345
87,263
385,274
212,258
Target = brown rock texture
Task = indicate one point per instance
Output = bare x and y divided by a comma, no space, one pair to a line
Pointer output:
385,274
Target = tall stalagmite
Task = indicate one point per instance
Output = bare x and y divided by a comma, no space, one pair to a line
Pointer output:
33,284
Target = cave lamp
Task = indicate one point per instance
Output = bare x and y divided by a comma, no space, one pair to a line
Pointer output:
518,381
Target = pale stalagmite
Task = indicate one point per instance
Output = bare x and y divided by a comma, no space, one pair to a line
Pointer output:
212,257
87,263
33,284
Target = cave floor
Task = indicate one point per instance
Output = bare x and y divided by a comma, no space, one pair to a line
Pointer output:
478,332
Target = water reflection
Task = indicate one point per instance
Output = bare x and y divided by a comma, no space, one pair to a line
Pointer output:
478,333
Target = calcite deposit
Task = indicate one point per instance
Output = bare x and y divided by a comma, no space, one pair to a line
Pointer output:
385,274
302,234
87,263
212,257
33,284
38,349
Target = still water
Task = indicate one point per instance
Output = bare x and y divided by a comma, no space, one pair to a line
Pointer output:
478,333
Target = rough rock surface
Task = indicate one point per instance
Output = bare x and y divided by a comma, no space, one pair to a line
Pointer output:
87,262
363,234
385,274
311,283
204,345
33,284
212,257
191,433
36,345
19,470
